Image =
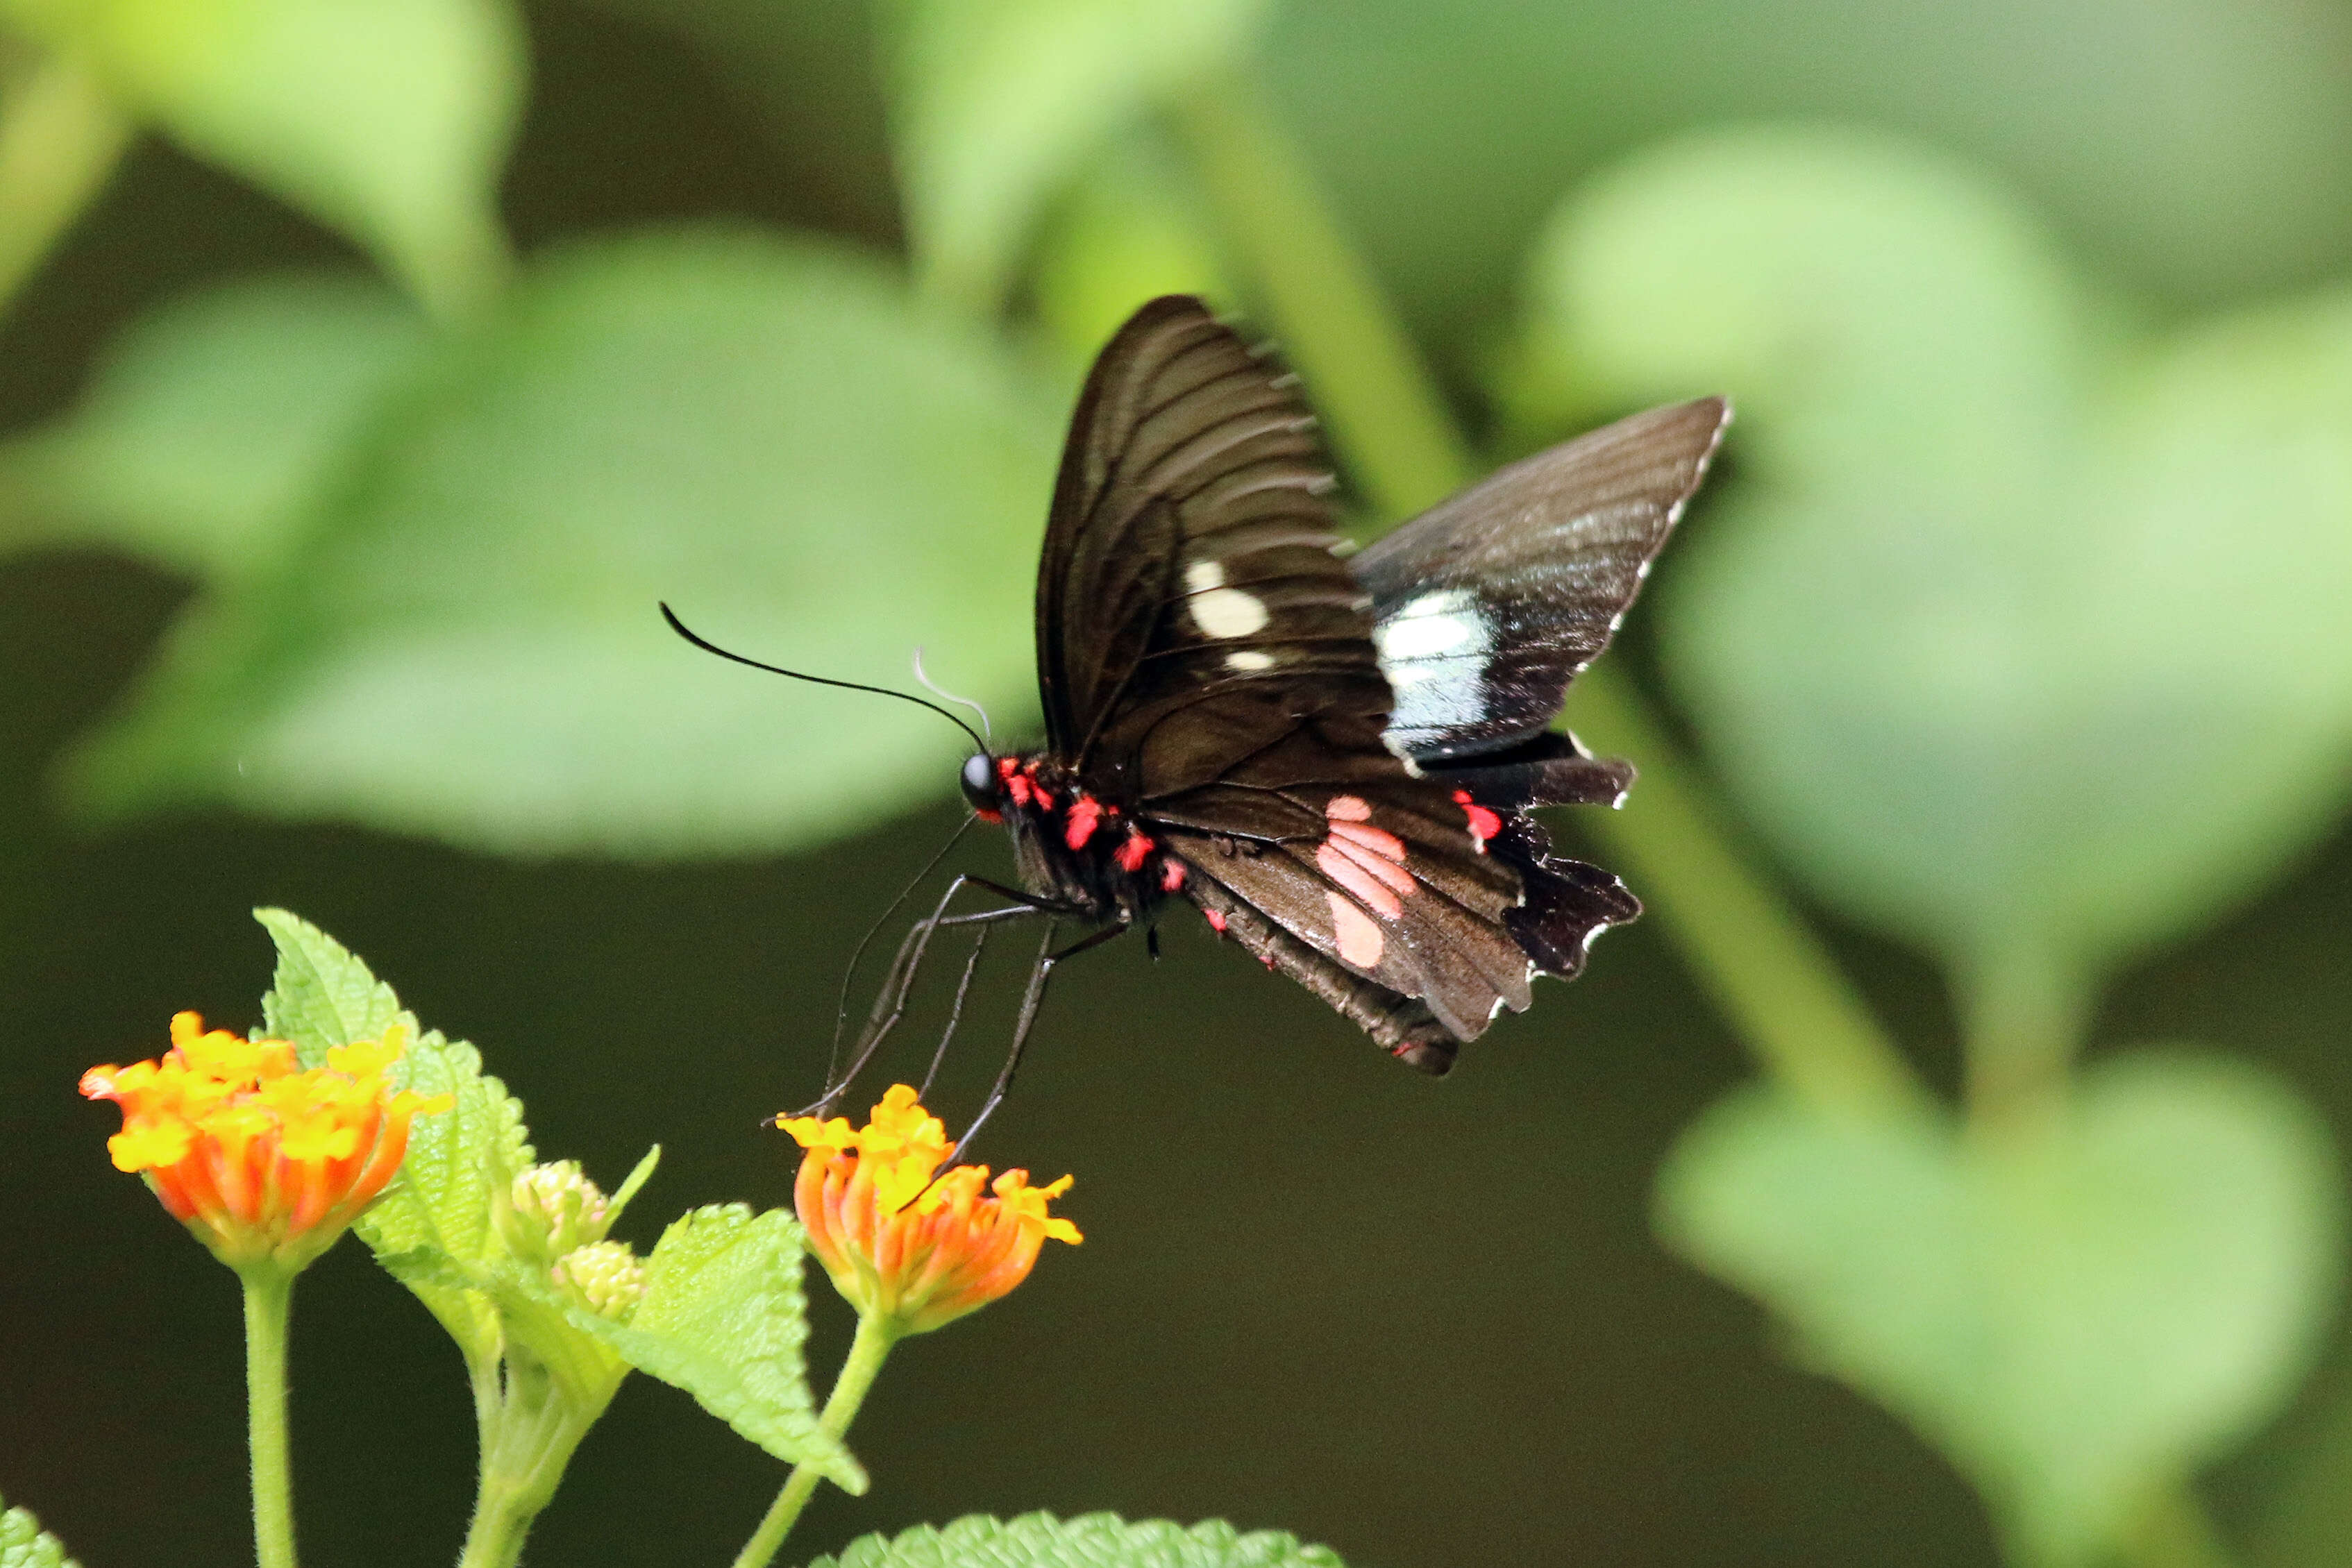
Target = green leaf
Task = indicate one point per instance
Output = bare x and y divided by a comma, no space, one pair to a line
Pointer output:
25,1545
2076,1314
1089,1541
2022,634
999,102
723,1318
216,423
323,996
771,436
388,120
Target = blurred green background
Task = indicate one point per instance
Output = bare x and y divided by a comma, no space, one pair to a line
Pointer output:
2015,635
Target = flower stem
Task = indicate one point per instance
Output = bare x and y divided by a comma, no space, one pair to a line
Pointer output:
866,1354
1765,968
60,138
269,1307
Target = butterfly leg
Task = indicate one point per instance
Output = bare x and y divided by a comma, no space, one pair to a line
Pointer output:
1031,999
890,1003
955,1012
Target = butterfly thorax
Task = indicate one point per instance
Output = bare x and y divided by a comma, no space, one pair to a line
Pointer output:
1077,847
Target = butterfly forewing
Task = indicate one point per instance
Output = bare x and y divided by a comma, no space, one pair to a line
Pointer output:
1189,551
1488,604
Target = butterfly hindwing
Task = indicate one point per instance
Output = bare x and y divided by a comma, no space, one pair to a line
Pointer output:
1489,604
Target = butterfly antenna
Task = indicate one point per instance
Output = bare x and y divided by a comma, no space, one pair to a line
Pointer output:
936,690
709,647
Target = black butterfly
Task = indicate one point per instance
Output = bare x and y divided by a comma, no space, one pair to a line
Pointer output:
1331,757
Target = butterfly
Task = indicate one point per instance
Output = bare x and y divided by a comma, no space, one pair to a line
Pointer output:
1331,755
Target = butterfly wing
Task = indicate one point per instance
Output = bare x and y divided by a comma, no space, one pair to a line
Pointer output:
1488,604
1189,552
1206,660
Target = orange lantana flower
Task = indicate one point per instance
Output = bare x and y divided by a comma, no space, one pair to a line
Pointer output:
264,1162
916,1252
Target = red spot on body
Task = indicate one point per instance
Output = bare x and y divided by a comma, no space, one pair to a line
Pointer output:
1131,854
990,816
1085,812
1484,823
1017,789
1171,877
1216,919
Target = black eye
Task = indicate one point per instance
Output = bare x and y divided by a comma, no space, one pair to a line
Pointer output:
979,783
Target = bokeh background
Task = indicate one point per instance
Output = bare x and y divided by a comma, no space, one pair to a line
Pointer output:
311,597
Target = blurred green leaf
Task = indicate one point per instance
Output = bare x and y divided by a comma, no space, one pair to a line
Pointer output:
25,1545
998,103
388,120
1131,228
215,423
1089,1541
323,996
2203,145
2023,634
724,1319
2077,1313
770,435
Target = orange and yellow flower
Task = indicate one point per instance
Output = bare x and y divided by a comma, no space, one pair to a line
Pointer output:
916,1252
264,1162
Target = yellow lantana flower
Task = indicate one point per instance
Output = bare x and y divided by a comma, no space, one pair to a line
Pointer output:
264,1162
915,1251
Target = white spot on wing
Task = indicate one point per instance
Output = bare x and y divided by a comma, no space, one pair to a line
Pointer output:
1204,575
1433,651
1445,622
1244,660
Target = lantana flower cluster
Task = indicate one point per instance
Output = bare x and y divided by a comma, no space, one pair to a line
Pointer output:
903,1242
265,1162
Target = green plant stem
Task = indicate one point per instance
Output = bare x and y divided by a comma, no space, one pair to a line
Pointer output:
60,138
1765,968
2173,1531
2023,1018
866,1354
269,1308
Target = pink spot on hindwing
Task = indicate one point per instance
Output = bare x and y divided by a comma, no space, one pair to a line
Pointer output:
1485,822
1216,919
1360,942
1367,862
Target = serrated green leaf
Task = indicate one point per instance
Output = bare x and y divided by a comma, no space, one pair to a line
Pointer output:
724,1319
25,1545
388,120
998,102
1089,1541
323,996
771,436
215,423
2022,633
2075,1317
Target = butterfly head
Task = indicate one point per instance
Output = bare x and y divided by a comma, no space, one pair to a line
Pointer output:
983,785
